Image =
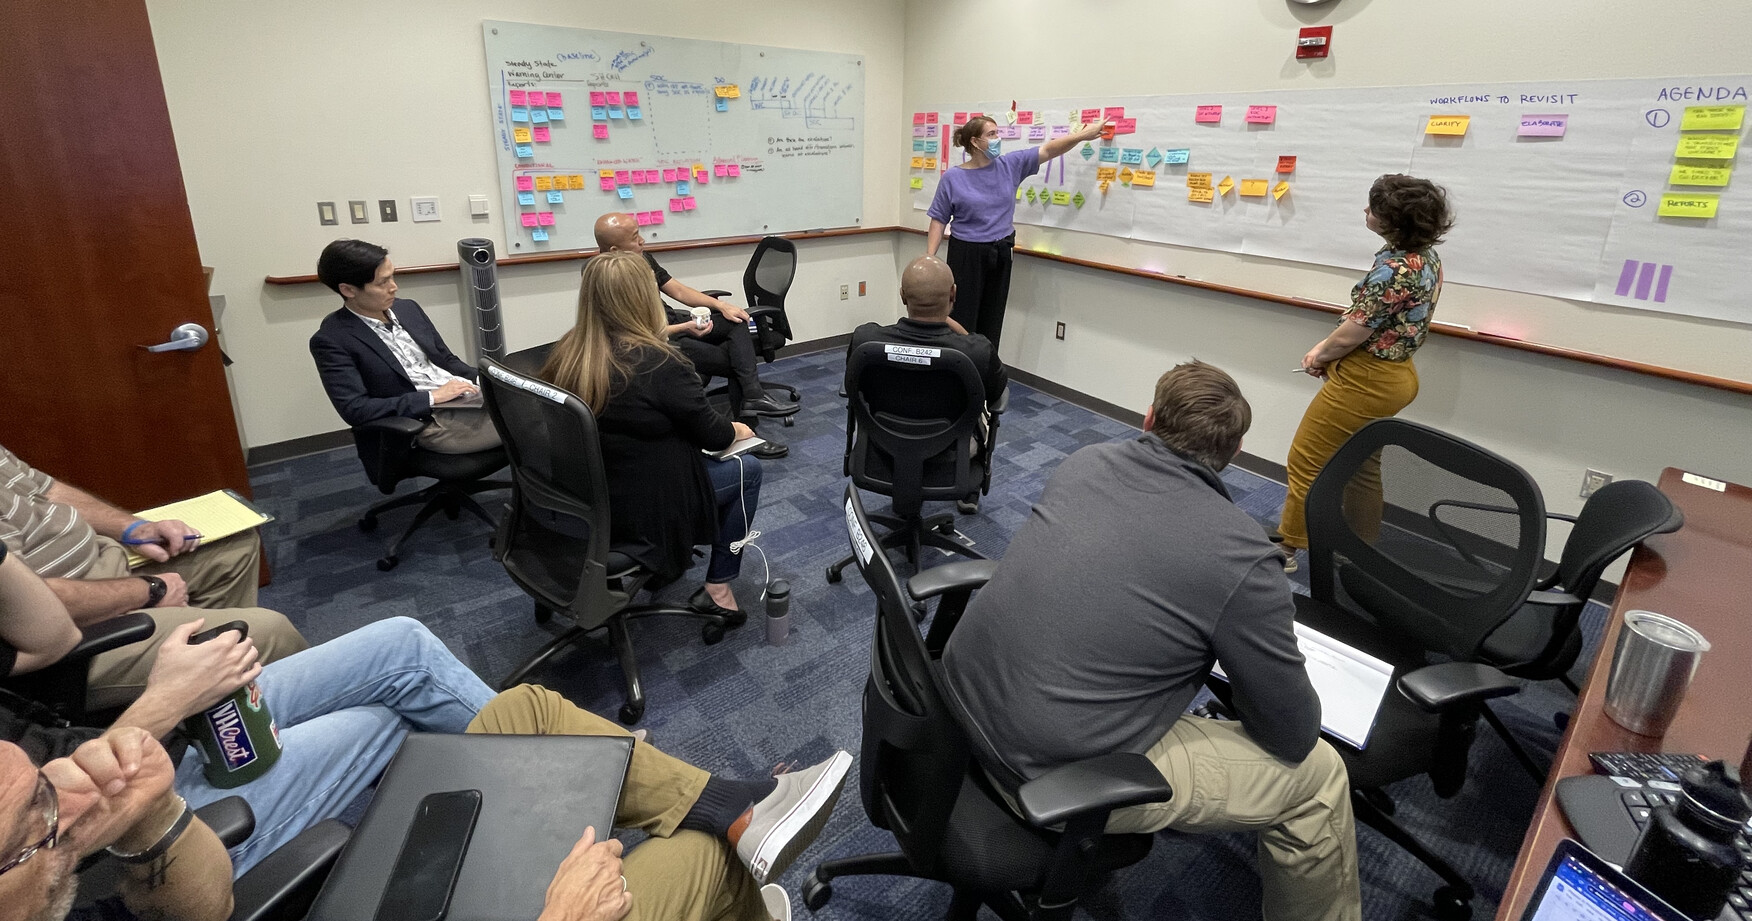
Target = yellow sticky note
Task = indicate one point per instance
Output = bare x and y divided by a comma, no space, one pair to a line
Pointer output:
918,163
930,163
521,134
918,182
1225,185
1253,188
1699,175
699,168
1143,178
1277,191
1106,173
1198,180
1449,125
1678,204
723,92
544,183
576,181
1103,186
1204,195
1125,175
1707,146
1712,118
1061,198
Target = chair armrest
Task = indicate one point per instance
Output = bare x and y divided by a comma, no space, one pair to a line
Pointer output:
230,818
716,292
1435,688
966,576
384,446
1559,516
1100,784
1552,598
103,636
1002,405
284,884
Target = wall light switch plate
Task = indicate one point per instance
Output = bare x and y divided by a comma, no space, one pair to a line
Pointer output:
424,208
386,210
361,213
477,205
325,213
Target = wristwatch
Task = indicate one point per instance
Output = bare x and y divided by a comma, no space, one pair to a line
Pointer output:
155,590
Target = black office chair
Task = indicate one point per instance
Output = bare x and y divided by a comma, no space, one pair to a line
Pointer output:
554,541
60,687
913,433
387,449
765,282
1420,545
920,782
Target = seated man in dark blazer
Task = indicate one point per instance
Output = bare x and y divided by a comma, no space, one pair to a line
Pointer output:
380,356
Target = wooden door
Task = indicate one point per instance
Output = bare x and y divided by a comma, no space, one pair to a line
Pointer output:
100,261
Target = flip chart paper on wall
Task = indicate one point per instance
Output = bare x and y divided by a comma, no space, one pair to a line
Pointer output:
1707,146
1679,204
1712,118
1209,115
1255,188
1542,126
1447,125
1699,175
1261,115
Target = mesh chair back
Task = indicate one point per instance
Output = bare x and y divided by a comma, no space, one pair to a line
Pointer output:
914,755
1436,539
554,541
915,412
767,279
1616,518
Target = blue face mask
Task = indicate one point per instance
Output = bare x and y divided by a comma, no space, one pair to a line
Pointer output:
992,148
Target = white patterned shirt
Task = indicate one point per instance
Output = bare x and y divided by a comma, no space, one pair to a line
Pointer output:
425,375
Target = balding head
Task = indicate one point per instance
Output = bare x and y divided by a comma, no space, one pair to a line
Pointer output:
618,230
927,288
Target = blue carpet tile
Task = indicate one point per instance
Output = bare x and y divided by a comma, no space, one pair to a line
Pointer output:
741,707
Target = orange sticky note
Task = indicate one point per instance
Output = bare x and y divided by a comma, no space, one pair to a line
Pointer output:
1286,164
1198,180
1447,125
1125,175
605,173
1254,188
1106,173
917,163
544,183
1277,191
1143,178
577,181
1102,185
1204,195
1226,185
930,163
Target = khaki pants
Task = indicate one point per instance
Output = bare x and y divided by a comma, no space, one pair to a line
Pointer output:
222,578
1223,781
674,875
459,431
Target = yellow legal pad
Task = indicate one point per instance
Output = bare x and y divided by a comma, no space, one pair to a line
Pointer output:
215,516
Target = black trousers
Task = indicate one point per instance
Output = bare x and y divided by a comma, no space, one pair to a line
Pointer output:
982,284
726,351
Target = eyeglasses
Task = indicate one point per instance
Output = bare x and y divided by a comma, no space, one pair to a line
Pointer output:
44,803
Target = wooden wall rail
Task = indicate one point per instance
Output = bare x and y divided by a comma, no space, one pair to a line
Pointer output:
1606,361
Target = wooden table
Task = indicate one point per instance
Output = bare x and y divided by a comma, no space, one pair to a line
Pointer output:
1702,575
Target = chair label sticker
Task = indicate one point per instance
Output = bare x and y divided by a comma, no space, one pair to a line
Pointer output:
1705,482
860,543
523,383
912,354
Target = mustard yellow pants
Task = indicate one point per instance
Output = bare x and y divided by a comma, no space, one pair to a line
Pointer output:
1359,389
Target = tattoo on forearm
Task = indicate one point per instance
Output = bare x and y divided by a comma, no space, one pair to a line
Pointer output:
158,872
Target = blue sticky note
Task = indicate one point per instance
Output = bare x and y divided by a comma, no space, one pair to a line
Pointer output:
556,114
555,197
599,113
633,112
538,235
616,112
626,191
1132,156
1179,155
723,105
930,147
525,150
1109,155
683,188
539,116
919,146
519,114
526,198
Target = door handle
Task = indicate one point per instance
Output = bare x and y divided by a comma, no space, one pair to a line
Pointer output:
185,338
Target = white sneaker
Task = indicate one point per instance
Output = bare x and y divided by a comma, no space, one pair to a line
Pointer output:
789,818
778,901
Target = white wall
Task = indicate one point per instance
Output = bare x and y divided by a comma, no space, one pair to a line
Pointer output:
1553,416
278,106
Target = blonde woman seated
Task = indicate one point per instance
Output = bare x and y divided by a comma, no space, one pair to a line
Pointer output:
665,496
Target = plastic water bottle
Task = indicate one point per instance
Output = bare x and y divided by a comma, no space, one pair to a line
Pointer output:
1686,855
778,612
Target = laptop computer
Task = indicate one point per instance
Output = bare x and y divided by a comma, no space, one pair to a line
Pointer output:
1579,886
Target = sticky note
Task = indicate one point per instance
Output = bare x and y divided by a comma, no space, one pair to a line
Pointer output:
524,150
1031,195
735,92
1277,191
598,98
599,132
555,101
719,169
1712,118
1078,199
1198,180
644,218
930,118
538,235
1225,185
918,146
539,116
616,112
1114,112
722,91
1204,195
1059,131
960,118
1542,126
1208,114
1090,115
631,99
930,163
525,183
1261,115
599,113
701,177
1177,155
1286,164
1010,133
1107,132
1144,178
1132,155
544,183
556,197
1109,155
526,198
1024,118
555,114
1126,126
1061,198
607,184
612,98
675,204
723,105
519,115
687,204
1037,132
542,135
537,99
1153,157
634,112
519,98
605,173
626,192
1254,188
1681,204
1699,175
1125,175
577,181
917,182
545,218
917,163
918,118
656,217
1447,125
930,147
683,188
1707,146
520,135
623,177
528,219
669,175
736,169
1106,173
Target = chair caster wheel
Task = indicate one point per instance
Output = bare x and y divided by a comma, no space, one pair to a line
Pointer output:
1450,906
833,576
788,421
368,523
388,563
712,634
543,614
816,893
630,714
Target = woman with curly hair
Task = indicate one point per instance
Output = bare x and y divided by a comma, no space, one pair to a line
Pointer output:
1365,364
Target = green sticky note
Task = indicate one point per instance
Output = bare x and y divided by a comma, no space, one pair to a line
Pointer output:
1031,196
1712,118
1078,199
1679,204
1088,151
1018,193
917,182
1707,146
1062,198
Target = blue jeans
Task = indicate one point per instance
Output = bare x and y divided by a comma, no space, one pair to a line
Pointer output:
736,483
342,709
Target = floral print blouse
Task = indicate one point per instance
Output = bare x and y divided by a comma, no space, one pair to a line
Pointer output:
1396,299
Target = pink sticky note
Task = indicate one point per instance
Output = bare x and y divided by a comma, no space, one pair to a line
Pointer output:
541,134
719,169
528,219
518,97
614,99
961,118
537,98
1115,112
1024,118
622,177
675,204
631,99
734,170
1123,126
1261,115
1090,115
544,218
599,132
930,118
1543,126
525,183
598,98
669,175
608,184
918,118
1209,114
702,177
656,217
687,204
644,218
974,115
554,100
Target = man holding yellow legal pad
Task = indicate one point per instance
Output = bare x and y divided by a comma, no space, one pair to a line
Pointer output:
79,544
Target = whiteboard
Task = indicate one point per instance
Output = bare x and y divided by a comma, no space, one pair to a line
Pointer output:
776,132
1570,216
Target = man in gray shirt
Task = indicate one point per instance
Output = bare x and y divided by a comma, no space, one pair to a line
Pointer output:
1133,574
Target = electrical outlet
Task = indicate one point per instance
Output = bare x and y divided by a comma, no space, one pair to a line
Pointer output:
386,210
1592,480
325,213
1059,331
845,291
361,213
862,289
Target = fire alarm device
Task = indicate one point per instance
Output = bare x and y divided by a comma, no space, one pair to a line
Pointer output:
1314,42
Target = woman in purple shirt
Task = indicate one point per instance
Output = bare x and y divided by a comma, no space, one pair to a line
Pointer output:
979,199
